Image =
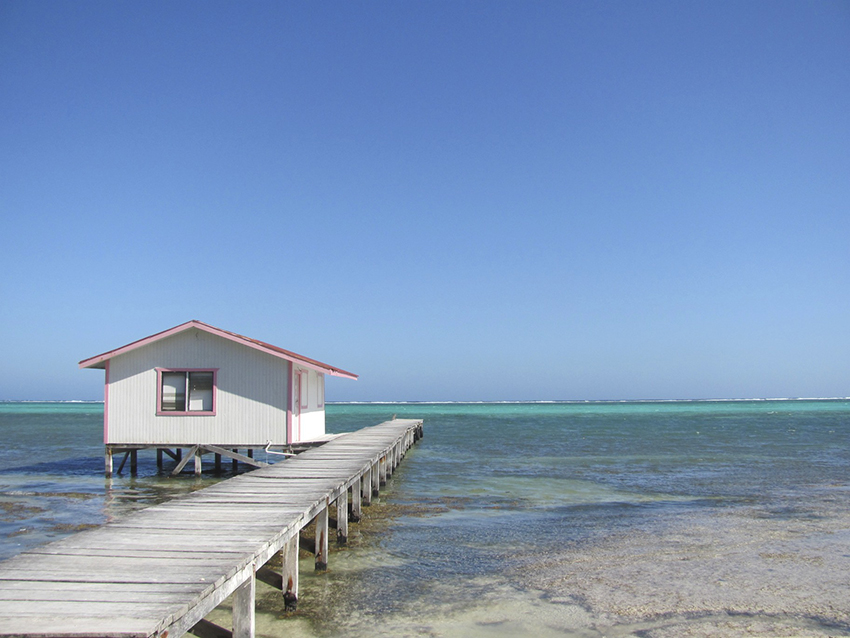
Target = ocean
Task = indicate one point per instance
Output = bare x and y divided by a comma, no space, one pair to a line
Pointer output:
651,519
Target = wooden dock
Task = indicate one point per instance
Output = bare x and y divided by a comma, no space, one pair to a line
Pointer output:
158,572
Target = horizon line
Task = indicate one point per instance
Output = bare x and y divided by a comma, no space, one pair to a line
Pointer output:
498,401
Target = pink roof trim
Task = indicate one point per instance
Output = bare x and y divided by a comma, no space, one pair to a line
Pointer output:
99,360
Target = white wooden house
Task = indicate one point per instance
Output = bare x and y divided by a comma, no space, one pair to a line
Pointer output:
199,387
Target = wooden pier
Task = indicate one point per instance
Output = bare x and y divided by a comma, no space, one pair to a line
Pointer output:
158,572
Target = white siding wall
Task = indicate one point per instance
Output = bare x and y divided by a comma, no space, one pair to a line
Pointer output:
252,394
312,416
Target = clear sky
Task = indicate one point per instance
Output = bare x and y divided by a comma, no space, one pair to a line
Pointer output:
457,200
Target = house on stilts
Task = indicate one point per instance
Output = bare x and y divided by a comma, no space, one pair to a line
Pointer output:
209,391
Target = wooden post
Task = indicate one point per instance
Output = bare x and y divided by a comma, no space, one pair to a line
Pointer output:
217,463
356,497
134,464
342,518
235,462
159,458
243,608
367,486
198,461
107,461
123,461
382,471
289,556
376,478
322,539
179,467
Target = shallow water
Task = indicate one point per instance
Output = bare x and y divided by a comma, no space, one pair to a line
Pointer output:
51,475
614,519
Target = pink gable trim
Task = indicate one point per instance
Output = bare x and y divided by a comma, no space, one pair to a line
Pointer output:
99,360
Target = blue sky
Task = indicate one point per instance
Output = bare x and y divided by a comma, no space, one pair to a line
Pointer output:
456,200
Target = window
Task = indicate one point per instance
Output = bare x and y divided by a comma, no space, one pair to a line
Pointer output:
186,392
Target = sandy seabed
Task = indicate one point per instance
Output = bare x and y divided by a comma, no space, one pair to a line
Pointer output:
748,570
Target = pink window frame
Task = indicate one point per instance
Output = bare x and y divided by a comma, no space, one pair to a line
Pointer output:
160,412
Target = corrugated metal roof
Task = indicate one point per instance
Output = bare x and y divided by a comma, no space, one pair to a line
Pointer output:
99,361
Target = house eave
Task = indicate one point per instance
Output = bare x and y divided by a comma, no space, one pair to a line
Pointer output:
99,361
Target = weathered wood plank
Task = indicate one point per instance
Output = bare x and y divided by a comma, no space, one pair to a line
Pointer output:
90,608
73,626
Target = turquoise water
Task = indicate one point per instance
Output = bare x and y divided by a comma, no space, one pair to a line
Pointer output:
576,519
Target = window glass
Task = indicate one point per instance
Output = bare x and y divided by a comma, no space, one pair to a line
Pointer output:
200,391
173,391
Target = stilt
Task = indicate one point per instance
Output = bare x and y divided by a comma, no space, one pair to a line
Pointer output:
243,609
217,463
178,454
289,556
390,462
179,467
356,510
159,458
123,461
134,462
376,479
322,539
367,487
198,461
342,518
235,465
107,461
250,453
382,471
